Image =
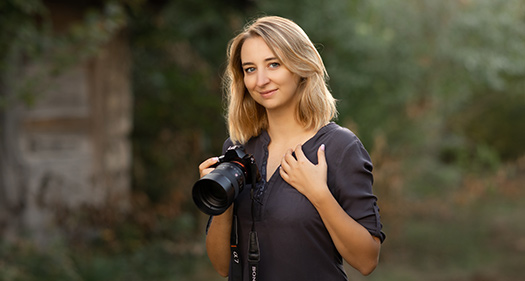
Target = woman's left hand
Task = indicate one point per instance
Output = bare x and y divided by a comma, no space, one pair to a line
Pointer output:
355,244
303,175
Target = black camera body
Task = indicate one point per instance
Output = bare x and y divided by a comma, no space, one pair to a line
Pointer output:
215,192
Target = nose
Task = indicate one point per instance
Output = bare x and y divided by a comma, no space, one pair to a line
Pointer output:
262,78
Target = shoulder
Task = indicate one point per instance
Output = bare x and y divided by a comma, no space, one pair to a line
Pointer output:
338,136
251,145
343,145
227,143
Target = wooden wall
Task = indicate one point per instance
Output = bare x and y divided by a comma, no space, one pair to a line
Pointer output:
70,149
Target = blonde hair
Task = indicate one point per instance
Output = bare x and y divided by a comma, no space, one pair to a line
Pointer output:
316,107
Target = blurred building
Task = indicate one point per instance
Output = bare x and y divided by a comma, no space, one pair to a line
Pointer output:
70,148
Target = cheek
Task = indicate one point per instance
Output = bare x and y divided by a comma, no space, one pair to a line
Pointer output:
248,83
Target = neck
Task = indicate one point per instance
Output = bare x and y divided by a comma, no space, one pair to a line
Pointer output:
284,126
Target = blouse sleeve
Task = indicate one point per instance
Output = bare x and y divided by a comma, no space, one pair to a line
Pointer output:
352,183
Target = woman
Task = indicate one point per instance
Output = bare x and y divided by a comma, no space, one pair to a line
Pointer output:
314,205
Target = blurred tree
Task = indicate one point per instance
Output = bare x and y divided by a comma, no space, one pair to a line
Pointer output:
178,52
19,34
410,76
440,83
435,89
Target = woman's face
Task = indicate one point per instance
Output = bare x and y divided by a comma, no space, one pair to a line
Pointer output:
269,82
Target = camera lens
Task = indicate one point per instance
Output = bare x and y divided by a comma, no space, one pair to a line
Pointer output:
216,191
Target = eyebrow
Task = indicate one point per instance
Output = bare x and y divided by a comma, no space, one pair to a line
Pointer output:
267,59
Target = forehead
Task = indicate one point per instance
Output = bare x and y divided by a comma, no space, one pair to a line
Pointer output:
254,49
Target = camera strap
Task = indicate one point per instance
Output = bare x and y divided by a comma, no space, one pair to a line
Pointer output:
234,241
254,256
253,251
253,247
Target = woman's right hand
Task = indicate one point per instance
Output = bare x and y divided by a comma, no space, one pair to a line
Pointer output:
219,231
205,167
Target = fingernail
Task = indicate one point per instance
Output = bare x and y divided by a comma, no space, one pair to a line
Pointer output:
322,147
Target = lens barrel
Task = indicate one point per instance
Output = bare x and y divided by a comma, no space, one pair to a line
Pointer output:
215,192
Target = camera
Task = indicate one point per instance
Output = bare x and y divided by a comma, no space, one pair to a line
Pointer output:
216,191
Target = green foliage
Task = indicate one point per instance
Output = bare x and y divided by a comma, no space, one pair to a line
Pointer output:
19,34
18,26
28,38
395,74
178,53
444,241
442,82
156,261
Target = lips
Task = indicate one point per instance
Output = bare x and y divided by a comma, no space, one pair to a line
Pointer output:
267,94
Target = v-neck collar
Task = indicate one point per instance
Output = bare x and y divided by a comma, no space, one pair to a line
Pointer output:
265,138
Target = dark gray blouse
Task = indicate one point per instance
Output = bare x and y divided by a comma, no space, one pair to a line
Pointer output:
294,243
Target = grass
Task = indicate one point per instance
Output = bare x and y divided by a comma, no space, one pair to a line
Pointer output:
480,241
484,240
155,261
472,233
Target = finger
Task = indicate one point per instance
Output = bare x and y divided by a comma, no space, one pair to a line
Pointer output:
321,155
288,157
299,154
207,163
283,174
206,171
285,166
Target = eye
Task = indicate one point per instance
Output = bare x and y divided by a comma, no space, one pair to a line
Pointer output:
249,69
274,65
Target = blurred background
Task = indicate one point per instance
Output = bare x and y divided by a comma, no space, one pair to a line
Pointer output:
108,107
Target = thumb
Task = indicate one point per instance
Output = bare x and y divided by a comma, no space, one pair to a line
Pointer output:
321,156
